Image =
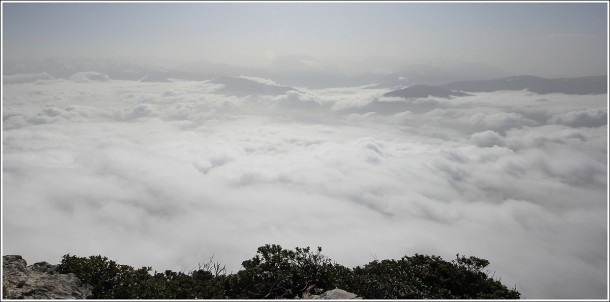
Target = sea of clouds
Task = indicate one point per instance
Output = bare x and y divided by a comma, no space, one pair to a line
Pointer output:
170,174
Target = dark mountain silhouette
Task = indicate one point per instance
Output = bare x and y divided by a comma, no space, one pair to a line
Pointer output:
392,107
578,86
424,91
307,71
459,76
440,73
244,87
155,77
574,86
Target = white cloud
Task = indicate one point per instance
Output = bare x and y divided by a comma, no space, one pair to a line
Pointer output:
499,121
591,117
347,97
90,168
259,80
297,100
487,139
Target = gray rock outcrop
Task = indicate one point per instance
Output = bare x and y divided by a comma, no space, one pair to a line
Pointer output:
334,294
38,281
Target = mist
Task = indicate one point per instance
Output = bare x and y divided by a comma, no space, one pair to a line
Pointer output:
165,134
528,38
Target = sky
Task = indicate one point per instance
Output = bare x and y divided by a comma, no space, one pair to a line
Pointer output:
521,38
170,172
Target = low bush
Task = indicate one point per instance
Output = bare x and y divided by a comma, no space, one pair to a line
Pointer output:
277,273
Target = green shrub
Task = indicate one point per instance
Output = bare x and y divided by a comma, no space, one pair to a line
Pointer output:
112,281
275,273
279,273
428,277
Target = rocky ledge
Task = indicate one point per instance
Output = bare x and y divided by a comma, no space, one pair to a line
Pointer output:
38,281
333,294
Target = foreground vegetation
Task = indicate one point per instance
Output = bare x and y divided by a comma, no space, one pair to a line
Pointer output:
277,273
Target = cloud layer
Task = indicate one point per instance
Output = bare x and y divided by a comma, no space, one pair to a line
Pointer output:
169,174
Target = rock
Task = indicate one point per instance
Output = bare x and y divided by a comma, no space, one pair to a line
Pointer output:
44,267
335,294
39,281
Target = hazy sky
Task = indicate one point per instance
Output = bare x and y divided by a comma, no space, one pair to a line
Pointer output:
543,39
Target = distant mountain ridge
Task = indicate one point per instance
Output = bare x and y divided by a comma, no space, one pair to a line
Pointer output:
438,80
301,71
573,86
424,91
578,86
244,87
